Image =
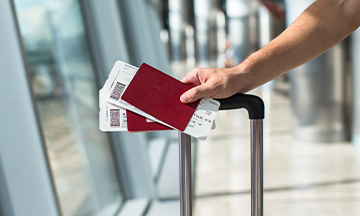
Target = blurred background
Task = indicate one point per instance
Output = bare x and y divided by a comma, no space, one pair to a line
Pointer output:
56,54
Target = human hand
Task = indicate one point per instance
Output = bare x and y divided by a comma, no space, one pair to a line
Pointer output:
214,83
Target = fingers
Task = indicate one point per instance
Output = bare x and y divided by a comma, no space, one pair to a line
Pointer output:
186,78
203,88
196,93
192,77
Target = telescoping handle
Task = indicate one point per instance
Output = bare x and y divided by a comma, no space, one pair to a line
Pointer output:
255,107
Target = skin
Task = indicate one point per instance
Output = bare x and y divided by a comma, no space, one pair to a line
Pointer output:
322,25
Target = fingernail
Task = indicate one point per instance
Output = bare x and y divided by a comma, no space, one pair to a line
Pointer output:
185,97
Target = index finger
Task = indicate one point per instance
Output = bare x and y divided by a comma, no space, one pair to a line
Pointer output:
192,78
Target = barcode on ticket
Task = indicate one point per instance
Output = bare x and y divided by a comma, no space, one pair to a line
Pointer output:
124,118
115,117
118,90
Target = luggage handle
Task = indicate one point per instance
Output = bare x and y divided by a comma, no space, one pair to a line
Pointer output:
255,107
253,104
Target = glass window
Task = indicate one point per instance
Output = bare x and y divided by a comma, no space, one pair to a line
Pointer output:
64,83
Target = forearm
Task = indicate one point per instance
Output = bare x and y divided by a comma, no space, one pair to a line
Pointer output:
321,26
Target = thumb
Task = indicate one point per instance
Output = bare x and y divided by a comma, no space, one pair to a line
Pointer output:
195,94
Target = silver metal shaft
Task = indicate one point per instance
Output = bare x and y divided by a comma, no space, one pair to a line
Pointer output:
256,130
185,174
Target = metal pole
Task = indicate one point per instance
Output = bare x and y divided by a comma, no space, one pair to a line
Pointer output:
256,130
185,174
356,91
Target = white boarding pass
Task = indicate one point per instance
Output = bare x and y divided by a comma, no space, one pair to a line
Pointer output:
111,118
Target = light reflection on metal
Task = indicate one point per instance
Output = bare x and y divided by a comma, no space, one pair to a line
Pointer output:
265,25
356,90
190,45
238,12
256,134
202,22
318,91
185,174
221,38
175,26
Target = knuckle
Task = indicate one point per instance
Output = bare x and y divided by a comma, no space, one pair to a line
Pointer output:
195,70
196,91
210,70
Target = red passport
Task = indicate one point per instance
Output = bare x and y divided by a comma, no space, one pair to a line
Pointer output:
138,123
158,94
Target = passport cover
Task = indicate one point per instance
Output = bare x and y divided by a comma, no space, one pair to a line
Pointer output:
138,123
158,94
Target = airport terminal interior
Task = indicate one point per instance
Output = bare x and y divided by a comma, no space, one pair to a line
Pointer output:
55,161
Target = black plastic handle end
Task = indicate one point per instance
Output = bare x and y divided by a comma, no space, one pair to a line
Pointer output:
253,104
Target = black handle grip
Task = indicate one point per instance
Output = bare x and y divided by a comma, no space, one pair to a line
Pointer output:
253,104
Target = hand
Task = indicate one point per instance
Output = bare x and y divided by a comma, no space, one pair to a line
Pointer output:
214,83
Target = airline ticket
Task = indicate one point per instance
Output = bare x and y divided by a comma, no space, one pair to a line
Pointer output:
111,117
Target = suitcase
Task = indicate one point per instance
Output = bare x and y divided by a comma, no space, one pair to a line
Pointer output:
255,107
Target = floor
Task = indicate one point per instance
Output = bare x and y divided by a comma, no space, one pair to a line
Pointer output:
300,178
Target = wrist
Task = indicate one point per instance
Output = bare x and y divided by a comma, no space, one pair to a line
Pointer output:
253,72
246,77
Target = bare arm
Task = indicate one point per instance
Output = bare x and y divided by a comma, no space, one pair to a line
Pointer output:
318,28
